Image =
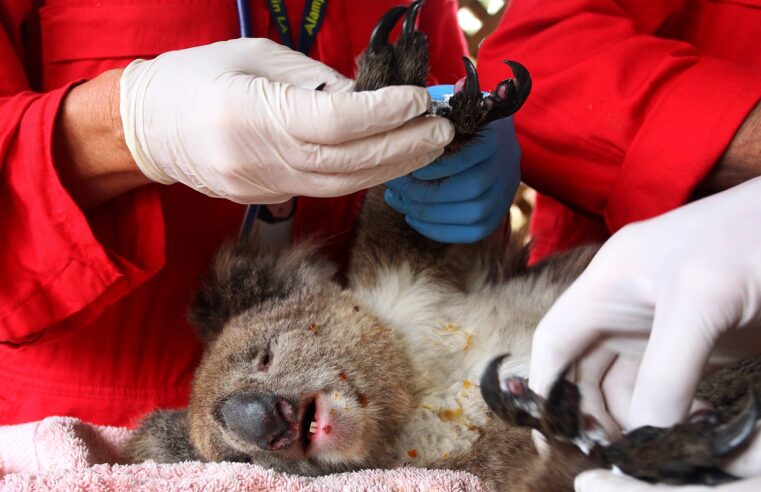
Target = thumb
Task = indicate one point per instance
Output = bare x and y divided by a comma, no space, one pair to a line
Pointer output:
566,331
265,58
608,481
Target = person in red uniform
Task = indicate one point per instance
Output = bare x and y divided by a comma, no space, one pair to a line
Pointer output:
636,107
96,267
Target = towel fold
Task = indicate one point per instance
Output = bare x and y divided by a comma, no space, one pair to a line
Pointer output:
63,453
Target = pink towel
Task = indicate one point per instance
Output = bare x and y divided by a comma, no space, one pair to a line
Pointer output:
63,453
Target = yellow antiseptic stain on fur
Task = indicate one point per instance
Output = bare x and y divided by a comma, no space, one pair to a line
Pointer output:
452,336
467,384
468,343
448,415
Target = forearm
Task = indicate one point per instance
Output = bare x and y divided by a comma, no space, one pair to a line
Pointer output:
741,161
91,156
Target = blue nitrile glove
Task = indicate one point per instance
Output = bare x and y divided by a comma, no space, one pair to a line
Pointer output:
475,189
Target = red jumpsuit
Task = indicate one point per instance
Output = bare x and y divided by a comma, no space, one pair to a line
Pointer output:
92,303
633,102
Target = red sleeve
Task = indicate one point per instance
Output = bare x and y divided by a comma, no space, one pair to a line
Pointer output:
56,270
623,122
438,20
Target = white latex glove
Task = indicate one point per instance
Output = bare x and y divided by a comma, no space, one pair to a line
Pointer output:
241,120
607,481
660,299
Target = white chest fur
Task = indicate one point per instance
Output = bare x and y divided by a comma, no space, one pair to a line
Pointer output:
451,336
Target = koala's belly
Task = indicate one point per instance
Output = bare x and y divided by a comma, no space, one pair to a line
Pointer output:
450,338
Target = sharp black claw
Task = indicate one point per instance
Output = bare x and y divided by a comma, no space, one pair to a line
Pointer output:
409,20
737,432
379,37
472,88
522,82
490,389
514,402
563,407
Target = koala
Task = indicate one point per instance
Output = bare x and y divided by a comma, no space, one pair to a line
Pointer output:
401,362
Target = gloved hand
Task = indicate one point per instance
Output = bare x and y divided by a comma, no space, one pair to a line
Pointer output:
607,481
241,120
660,299
476,186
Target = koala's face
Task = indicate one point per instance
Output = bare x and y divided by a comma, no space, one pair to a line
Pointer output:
304,381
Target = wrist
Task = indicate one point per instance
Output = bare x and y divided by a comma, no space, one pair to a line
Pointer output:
91,155
742,159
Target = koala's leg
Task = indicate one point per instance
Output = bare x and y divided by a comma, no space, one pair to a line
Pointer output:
162,437
687,453
384,239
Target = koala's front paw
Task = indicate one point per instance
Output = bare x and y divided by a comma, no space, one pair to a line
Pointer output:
469,109
687,453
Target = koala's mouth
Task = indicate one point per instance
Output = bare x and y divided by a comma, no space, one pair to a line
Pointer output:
309,424
322,427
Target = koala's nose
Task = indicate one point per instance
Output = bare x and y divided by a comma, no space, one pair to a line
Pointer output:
264,420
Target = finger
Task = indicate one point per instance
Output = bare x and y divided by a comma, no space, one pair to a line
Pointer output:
608,481
457,234
591,371
332,118
453,213
747,485
748,463
540,443
484,147
617,387
418,138
329,185
289,66
467,185
672,363
564,333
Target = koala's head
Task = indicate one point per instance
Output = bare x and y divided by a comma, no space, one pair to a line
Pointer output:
296,376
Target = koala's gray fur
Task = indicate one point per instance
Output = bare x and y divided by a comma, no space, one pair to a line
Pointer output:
391,351
288,304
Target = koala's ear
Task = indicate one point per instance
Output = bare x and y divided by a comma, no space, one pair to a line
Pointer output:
244,276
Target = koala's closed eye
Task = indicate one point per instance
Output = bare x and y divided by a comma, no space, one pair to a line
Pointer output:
259,358
263,360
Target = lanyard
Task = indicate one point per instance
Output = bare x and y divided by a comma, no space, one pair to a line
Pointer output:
314,13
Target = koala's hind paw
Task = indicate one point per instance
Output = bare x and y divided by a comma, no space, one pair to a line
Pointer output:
690,452
559,417
687,453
